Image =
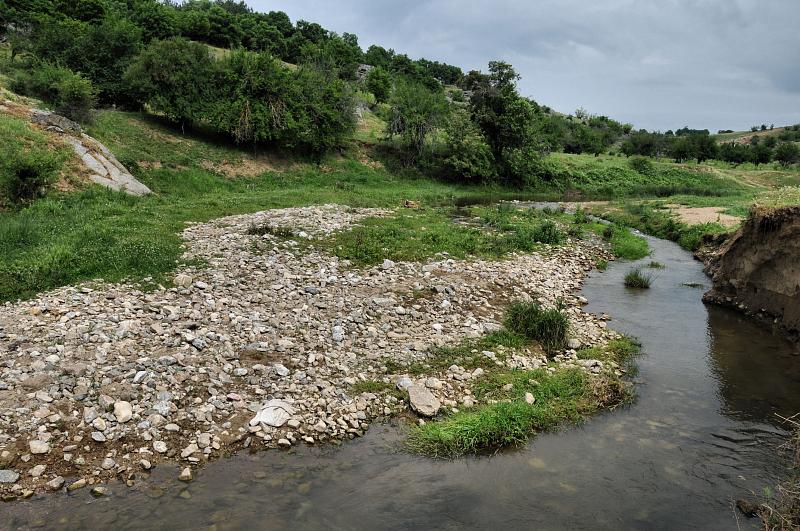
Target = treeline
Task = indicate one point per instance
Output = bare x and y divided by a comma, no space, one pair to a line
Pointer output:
495,134
699,145
280,83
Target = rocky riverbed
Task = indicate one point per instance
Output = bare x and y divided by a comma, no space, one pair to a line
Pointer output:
262,346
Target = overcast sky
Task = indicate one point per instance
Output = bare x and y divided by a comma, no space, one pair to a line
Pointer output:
659,64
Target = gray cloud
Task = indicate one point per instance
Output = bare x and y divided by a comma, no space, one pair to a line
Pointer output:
658,64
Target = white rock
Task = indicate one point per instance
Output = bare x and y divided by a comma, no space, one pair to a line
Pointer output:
123,411
422,401
274,413
39,447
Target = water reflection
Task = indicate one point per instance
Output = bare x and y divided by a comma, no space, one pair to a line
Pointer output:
758,372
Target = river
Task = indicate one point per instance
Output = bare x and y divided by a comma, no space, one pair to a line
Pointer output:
702,432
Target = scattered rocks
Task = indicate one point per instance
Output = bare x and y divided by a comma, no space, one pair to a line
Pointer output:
263,347
186,475
123,411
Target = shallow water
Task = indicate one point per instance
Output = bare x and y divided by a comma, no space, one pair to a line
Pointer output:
702,433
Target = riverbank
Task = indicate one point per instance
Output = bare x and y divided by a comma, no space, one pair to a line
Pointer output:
272,342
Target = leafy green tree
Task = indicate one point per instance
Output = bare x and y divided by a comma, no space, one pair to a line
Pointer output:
379,82
702,147
157,20
378,56
101,51
493,103
172,77
467,156
415,112
788,153
324,111
761,154
193,24
679,149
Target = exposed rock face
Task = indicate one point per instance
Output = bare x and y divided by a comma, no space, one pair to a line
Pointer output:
104,168
758,268
55,122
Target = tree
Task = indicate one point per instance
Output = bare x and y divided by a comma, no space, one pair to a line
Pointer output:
157,20
492,102
415,112
761,154
788,153
173,77
679,149
378,56
379,82
467,155
702,147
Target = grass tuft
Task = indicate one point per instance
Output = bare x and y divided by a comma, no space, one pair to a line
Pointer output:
547,326
636,279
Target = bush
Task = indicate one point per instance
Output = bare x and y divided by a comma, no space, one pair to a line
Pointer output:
70,94
468,156
379,83
547,326
642,165
25,175
636,279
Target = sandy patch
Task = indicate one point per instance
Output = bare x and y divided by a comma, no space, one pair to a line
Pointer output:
700,215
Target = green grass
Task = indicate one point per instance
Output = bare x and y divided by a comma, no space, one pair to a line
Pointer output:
507,419
375,387
94,233
655,265
559,397
636,279
607,177
617,350
468,354
548,326
29,159
416,235
662,224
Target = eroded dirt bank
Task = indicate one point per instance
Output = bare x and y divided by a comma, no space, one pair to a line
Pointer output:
264,346
758,268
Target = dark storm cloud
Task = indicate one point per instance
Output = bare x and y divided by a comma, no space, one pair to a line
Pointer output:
655,63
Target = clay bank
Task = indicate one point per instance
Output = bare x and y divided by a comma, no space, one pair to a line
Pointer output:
757,269
270,343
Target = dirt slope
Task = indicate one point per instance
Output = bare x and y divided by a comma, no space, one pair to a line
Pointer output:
758,268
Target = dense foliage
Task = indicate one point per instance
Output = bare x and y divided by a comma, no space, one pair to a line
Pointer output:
260,79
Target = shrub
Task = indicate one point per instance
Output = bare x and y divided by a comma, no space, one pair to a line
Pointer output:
468,156
547,326
636,279
379,82
25,175
642,165
70,94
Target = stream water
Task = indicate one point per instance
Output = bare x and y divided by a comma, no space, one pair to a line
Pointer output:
702,433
